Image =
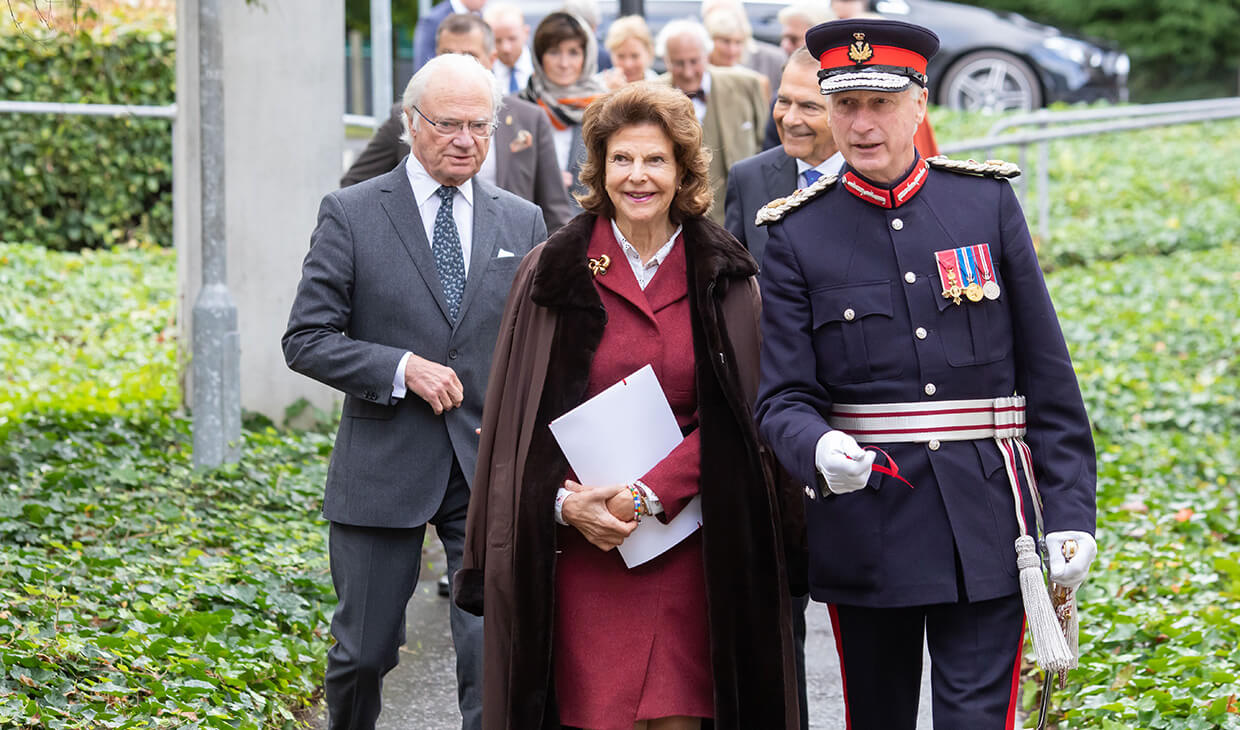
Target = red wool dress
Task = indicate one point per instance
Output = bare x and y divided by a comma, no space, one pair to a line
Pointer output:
634,645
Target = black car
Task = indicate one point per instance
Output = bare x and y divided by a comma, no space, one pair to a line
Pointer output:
988,61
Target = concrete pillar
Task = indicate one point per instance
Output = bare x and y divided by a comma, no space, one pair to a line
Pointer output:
283,101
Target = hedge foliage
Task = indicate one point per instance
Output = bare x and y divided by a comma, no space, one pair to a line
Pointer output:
1179,48
73,182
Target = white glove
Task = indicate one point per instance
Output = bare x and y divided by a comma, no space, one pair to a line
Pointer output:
843,464
1070,570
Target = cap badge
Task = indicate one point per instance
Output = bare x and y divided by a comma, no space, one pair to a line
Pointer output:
860,50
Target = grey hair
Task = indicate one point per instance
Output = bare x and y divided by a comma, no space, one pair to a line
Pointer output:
725,20
813,13
457,64
679,27
494,12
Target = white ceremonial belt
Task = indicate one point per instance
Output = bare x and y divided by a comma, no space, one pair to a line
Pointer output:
949,420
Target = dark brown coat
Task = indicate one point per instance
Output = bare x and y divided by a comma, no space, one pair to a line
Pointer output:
547,340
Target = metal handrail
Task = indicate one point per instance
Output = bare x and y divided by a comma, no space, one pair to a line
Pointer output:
1122,119
91,110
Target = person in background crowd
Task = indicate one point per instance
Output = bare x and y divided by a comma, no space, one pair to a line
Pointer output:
563,84
398,308
521,156
734,44
427,29
574,638
513,65
806,152
904,309
729,102
587,10
847,9
632,51
796,19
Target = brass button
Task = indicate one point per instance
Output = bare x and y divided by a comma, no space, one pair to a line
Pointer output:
920,332
849,314
910,277
930,389
934,444
897,224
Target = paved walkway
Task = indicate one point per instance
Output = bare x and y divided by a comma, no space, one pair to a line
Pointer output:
420,694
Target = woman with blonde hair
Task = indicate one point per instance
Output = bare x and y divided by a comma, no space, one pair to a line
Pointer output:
574,637
632,52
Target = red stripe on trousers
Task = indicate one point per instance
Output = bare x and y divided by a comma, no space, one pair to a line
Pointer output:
839,649
1011,713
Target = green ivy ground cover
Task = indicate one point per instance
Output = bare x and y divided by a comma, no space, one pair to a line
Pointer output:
1148,191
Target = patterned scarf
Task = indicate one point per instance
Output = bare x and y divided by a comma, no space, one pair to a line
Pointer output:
565,105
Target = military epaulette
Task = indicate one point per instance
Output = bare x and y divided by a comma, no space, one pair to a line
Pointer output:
989,168
779,207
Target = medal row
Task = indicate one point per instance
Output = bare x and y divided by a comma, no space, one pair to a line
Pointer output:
967,271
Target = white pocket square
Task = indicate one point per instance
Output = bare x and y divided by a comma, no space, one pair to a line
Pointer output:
504,254
747,125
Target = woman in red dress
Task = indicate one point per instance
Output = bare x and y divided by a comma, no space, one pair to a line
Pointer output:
702,631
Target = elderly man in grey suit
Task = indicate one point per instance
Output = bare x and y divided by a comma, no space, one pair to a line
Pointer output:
806,152
522,155
399,307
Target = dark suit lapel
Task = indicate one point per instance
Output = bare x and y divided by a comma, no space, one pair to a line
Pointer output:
780,175
402,210
486,240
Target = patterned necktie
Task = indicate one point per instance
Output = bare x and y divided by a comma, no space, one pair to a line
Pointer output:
446,247
811,176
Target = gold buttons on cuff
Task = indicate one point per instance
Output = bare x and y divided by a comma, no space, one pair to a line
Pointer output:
934,444
849,315
930,388
920,332
910,277
897,224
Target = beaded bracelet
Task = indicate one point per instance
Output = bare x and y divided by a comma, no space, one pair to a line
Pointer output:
637,502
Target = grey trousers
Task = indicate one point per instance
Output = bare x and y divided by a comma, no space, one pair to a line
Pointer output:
375,571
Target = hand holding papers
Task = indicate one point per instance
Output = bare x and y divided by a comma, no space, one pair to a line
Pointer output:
615,438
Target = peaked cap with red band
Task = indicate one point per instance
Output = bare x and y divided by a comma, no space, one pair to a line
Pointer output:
870,55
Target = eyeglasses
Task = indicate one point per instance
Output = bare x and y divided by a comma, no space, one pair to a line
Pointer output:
451,127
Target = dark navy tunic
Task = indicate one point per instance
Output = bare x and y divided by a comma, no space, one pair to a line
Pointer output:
853,313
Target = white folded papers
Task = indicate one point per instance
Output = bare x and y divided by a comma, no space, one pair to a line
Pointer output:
615,438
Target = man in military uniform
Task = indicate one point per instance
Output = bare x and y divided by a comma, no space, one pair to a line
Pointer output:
904,310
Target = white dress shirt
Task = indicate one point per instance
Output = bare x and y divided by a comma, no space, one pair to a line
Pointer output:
699,105
830,166
523,69
644,272
424,187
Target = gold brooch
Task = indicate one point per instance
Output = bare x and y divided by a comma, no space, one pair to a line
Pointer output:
599,265
860,51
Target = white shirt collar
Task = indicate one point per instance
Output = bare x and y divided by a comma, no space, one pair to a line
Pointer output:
644,271
424,186
830,166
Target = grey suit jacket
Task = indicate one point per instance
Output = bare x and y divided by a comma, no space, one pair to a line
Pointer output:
525,165
369,292
752,183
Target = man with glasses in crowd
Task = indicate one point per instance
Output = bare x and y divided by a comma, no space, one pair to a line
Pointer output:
399,307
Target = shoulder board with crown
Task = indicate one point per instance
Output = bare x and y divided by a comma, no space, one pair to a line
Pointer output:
776,209
989,168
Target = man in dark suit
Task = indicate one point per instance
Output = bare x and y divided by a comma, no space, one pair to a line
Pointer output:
522,156
806,152
427,29
399,307
904,311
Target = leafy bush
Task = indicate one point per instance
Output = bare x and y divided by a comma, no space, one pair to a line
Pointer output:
1155,343
1179,49
90,332
72,182
1150,191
